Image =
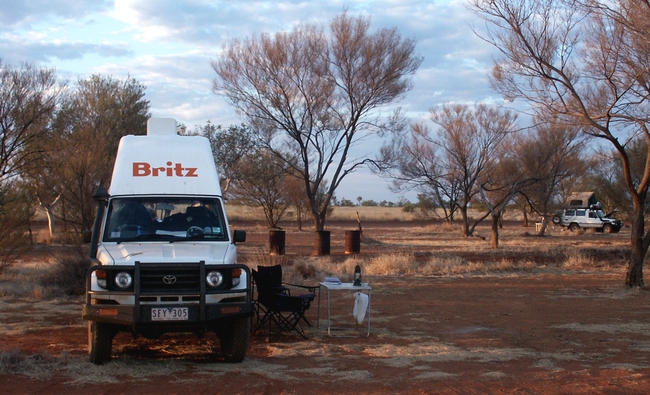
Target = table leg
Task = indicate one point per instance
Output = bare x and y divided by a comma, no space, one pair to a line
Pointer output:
329,333
369,292
318,311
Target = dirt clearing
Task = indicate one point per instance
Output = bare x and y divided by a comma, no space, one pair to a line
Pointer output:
544,330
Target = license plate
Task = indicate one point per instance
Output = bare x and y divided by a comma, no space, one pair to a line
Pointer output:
169,314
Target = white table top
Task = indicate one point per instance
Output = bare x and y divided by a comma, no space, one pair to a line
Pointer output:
350,286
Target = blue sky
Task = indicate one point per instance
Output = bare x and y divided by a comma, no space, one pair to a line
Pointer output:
168,45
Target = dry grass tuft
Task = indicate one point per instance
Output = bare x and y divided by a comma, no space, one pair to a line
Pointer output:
317,268
578,259
394,264
445,264
260,257
400,264
38,365
305,270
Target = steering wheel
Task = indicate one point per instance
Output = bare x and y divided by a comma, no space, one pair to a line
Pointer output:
195,231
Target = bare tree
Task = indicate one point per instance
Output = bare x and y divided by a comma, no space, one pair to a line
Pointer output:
229,147
499,185
43,179
261,181
89,126
453,160
296,193
607,174
470,141
587,63
414,162
28,100
551,153
313,97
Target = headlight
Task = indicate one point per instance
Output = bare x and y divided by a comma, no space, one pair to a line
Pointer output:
214,279
123,280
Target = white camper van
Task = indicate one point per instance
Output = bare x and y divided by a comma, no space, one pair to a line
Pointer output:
163,256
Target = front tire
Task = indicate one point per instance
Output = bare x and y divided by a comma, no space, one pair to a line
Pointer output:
100,342
607,228
234,338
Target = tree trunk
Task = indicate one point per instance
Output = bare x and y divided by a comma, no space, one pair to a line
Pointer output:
463,213
494,242
50,221
322,243
525,218
634,276
542,230
319,223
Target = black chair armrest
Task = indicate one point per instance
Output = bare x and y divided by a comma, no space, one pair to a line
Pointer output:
310,288
282,290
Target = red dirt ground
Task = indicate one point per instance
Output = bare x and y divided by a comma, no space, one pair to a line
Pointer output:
544,331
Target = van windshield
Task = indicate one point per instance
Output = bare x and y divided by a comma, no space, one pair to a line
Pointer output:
154,219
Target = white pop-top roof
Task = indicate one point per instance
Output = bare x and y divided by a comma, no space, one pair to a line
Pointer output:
164,163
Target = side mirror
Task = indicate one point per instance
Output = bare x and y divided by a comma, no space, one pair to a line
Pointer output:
239,236
101,194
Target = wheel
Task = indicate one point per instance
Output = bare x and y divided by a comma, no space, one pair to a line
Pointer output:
607,228
557,219
100,342
234,338
574,227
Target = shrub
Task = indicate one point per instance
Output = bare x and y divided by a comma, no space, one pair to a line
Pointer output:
15,212
68,274
305,270
409,208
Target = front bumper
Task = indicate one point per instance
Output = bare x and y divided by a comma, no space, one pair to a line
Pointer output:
205,307
198,315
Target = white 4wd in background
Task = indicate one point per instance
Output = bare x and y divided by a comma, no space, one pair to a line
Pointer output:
592,217
164,260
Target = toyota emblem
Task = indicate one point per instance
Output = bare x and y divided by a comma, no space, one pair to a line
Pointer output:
169,279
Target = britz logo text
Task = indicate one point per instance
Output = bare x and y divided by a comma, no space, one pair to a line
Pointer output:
144,169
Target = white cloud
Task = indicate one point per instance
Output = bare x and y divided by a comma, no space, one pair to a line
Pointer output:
168,45
178,86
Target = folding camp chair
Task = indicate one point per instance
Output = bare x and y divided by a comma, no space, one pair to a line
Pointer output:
276,307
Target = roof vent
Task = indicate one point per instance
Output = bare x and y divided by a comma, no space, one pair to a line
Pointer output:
161,127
